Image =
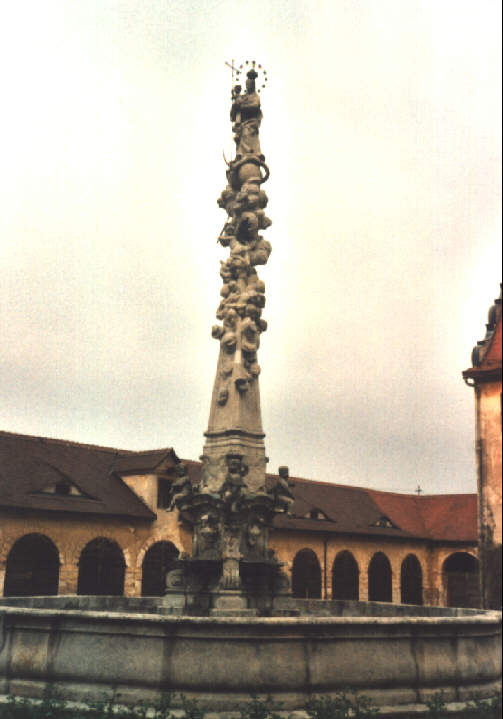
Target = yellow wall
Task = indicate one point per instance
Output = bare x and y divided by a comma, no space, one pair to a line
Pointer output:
489,420
71,534
287,544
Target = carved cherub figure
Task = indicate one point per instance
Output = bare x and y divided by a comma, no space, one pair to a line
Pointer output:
181,489
236,468
260,253
207,533
225,270
256,531
247,231
250,335
223,395
231,317
283,497
228,342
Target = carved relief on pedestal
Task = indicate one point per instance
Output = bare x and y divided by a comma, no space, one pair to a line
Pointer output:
207,537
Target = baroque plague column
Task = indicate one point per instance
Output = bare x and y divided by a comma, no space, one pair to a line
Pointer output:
232,509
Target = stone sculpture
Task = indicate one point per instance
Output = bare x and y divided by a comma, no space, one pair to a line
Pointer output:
231,511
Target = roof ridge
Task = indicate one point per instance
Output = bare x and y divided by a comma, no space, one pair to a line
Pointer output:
56,440
449,494
148,451
349,486
71,442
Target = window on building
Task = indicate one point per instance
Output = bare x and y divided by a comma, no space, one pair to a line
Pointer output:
163,493
62,488
315,513
384,522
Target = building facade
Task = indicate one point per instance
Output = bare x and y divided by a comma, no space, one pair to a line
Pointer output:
81,519
485,377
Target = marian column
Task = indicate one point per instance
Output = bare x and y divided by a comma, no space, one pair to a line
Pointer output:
235,424
231,510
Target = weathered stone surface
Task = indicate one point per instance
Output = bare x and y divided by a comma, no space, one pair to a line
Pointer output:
231,511
395,660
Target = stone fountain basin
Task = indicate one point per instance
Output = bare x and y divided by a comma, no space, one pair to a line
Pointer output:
395,654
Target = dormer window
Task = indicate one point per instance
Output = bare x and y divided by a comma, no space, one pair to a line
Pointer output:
315,513
63,489
384,522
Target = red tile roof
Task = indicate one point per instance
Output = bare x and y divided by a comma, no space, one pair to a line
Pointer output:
30,464
358,510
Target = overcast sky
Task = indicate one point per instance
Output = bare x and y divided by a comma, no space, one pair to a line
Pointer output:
382,133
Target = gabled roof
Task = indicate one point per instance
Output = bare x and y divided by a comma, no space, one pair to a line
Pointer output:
28,465
486,355
358,510
153,460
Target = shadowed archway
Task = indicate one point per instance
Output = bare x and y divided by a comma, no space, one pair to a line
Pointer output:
158,561
380,585
345,577
411,580
460,573
101,568
306,575
32,567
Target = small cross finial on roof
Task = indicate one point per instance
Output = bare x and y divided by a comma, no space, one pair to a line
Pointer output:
418,490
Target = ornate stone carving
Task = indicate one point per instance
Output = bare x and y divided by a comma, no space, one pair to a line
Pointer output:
242,292
231,510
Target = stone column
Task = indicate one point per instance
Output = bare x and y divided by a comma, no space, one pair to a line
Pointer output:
364,583
68,578
129,582
396,590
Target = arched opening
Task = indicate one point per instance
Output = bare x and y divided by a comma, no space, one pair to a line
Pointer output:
306,575
32,567
101,568
461,580
158,561
345,577
411,581
380,587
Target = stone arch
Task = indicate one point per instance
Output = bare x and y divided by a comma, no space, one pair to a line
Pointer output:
380,579
140,555
75,551
306,575
411,580
32,567
460,577
101,568
345,576
157,562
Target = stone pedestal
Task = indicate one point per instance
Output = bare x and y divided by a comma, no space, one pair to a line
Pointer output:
231,603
